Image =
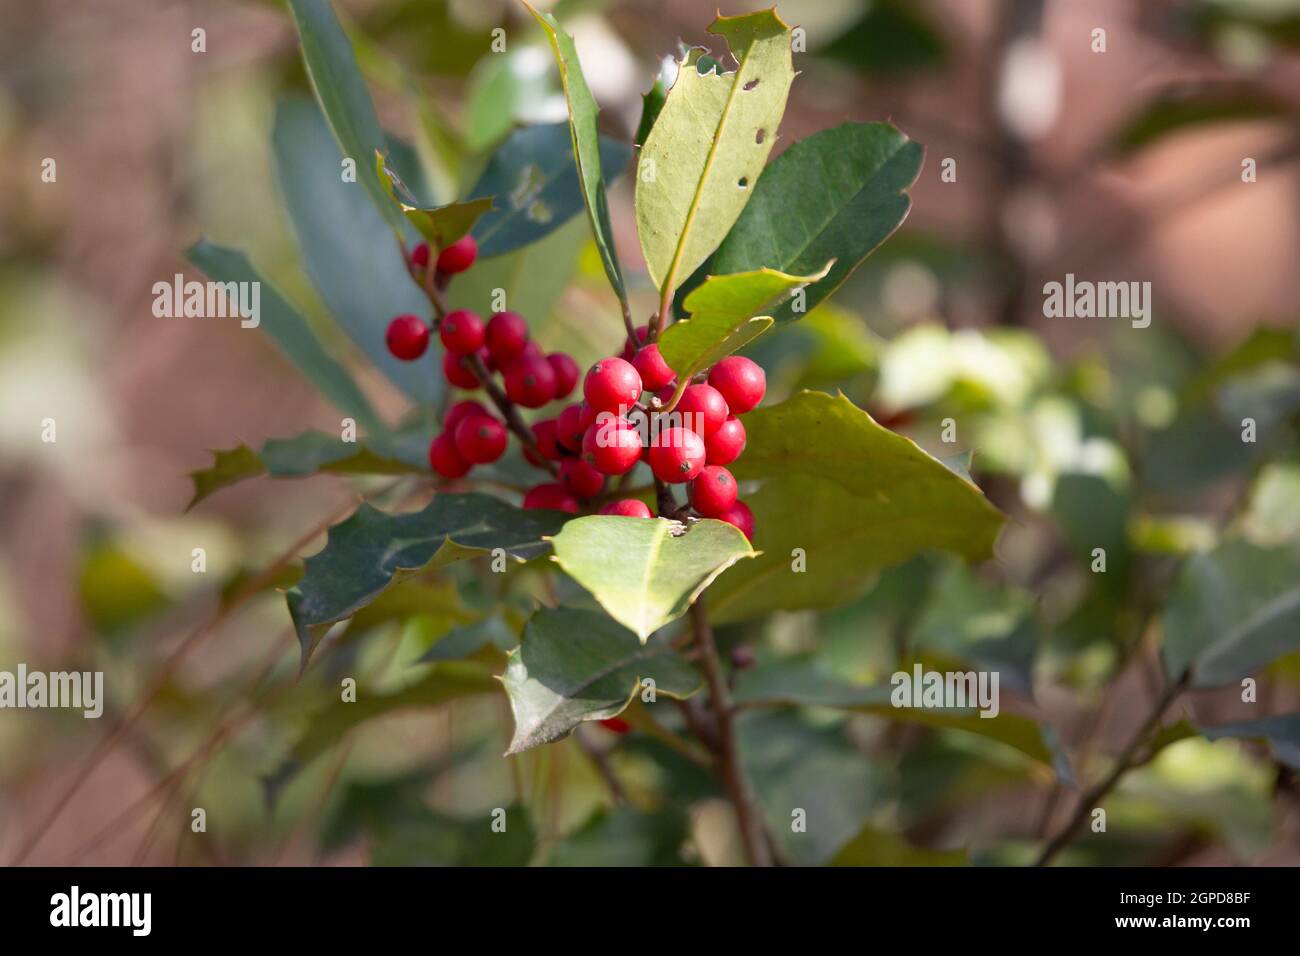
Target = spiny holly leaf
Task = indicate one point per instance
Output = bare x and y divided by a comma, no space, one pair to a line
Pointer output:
836,195
440,225
535,182
1234,609
706,151
341,92
576,665
652,102
724,317
371,549
854,496
583,112
288,328
646,572
307,454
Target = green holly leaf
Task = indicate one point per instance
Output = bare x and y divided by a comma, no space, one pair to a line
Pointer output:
576,665
652,101
289,329
724,317
836,195
583,113
854,496
703,157
1233,610
646,572
439,225
341,91
535,182
370,550
307,454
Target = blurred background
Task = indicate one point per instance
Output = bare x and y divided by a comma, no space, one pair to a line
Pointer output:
1114,156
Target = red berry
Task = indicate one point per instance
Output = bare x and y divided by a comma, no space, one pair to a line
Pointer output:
420,255
725,445
480,439
677,455
458,256
445,460
566,371
714,492
628,508
740,516
654,371
703,409
569,428
612,445
630,347
617,724
612,385
407,337
507,334
741,381
546,432
460,411
553,496
582,478
458,372
461,332
530,381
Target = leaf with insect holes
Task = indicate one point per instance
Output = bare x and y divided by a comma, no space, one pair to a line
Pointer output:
837,194
646,572
708,146
724,317
288,328
307,454
853,495
583,112
575,665
370,550
439,225
536,185
341,91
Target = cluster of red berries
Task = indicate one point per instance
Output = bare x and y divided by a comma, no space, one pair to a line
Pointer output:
607,433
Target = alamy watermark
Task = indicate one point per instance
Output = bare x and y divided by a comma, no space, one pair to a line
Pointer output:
208,300
72,690
1083,299
946,690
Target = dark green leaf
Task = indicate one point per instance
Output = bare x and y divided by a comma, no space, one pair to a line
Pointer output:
625,836
439,225
1282,733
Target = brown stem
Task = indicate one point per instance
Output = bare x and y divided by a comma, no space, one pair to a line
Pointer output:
665,503
753,833
1123,763
599,758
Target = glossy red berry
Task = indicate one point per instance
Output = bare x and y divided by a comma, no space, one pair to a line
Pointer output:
612,445
628,508
545,432
480,439
725,445
714,492
420,255
458,372
569,427
460,411
530,381
553,496
582,478
616,724
507,334
630,347
407,337
458,256
677,455
702,409
741,517
445,460
566,371
654,371
461,332
612,385
741,381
